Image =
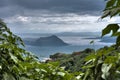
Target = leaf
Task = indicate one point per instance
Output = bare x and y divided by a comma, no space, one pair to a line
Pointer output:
15,68
110,3
105,14
112,8
114,11
105,70
88,66
117,34
14,58
118,41
118,3
90,57
61,73
7,76
79,76
0,66
111,27
110,59
91,42
86,74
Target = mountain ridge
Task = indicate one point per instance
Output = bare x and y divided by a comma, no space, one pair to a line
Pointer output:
52,40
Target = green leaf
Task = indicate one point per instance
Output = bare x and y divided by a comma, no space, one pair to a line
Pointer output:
105,14
14,58
118,41
8,76
111,27
110,59
0,66
117,34
86,74
114,11
90,57
16,69
112,8
105,70
61,74
110,3
79,76
91,42
118,3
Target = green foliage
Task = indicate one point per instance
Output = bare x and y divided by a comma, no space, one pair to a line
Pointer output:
92,42
72,62
114,28
18,64
112,8
104,65
111,27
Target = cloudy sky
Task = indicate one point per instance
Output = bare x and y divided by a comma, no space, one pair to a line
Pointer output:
51,16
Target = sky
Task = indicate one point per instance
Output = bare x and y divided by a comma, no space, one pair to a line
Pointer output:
53,16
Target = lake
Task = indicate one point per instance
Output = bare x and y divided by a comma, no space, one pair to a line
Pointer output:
77,43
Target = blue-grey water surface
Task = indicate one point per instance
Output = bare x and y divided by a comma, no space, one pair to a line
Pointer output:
77,43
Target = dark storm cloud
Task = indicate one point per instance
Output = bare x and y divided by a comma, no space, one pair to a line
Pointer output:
12,7
69,5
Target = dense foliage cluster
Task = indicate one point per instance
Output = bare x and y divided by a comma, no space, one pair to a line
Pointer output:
104,64
72,62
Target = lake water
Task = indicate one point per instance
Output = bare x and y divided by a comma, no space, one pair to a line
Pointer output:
77,43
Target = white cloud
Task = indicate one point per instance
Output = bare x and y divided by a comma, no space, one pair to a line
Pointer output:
54,19
114,20
55,23
22,18
111,20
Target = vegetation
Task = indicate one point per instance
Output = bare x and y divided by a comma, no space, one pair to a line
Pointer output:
72,62
103,64
112,9
18,64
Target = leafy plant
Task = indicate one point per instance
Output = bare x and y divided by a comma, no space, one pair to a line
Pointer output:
112,9
18,64
105,64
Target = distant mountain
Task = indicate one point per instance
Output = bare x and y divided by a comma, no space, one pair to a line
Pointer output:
47,41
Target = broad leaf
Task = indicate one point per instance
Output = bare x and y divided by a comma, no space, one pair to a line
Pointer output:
105,70
111,27
110,3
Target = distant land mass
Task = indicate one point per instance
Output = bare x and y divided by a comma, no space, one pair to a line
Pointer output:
108,39
47,41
